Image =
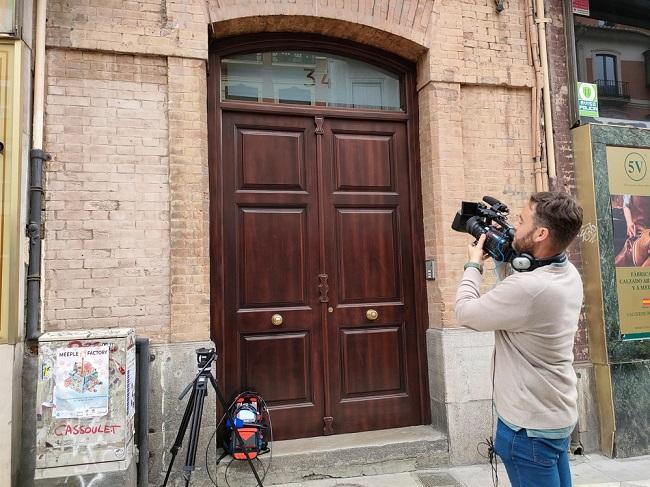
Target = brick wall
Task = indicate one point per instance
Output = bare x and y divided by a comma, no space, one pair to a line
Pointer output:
475,124
162,27
471,43
559,75
474,80
409,19
107,189
190,224
474,142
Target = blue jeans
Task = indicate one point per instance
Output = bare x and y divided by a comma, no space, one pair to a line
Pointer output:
533,462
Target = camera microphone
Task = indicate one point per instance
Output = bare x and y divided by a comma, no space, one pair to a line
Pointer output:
491,200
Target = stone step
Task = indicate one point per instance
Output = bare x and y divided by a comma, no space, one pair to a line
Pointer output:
340,456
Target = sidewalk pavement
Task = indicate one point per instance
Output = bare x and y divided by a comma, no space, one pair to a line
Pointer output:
588,471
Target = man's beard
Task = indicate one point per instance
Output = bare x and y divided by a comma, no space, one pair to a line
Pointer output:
524,244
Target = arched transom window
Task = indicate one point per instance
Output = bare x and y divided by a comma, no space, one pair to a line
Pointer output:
309,78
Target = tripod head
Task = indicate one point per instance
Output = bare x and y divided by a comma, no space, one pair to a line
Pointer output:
204,359
205,356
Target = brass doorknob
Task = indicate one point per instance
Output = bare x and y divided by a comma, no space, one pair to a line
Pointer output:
276,320
372,315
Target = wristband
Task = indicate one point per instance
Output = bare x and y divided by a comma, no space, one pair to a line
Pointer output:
474,265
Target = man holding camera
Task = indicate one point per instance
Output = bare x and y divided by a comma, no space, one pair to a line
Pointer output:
534,315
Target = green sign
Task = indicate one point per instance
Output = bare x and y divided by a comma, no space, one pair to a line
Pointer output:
587,100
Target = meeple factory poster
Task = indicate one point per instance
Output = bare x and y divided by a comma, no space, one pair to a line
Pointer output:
81,382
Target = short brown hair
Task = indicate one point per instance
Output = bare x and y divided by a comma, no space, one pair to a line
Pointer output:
559,212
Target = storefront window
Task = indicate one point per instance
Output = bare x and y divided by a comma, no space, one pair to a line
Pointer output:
613,52
309,78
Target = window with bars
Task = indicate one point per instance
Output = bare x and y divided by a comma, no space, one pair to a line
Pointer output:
607,77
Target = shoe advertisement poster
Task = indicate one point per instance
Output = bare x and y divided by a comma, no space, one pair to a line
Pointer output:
629,187
81,382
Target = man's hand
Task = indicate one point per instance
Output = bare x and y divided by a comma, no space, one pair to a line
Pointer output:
475,253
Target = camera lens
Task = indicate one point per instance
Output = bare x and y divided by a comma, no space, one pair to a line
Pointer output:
475,227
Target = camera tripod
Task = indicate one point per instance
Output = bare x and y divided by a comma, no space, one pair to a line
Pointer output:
193,411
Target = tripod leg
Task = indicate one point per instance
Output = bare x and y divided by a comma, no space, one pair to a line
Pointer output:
181,433
221,457
195,429
235,431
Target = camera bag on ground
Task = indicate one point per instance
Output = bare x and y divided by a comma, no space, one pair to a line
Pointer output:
248,415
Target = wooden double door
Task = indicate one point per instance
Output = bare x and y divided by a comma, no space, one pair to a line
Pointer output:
318,274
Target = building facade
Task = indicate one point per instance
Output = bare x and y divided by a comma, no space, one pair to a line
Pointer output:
611,150
615,58
16,45
273,177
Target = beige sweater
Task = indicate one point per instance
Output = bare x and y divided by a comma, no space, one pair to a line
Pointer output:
535,318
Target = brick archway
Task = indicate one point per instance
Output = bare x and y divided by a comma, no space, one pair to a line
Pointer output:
402,27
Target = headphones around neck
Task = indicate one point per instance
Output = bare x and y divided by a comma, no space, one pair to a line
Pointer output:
525,262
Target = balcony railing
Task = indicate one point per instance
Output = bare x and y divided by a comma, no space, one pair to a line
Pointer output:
613,89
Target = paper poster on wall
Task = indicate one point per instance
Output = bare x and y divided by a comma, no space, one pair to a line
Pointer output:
629,186
81,382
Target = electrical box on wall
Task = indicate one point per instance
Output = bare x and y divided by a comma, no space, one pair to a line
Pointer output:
430,269
85,401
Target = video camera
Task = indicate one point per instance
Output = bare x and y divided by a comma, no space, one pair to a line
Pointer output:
478,219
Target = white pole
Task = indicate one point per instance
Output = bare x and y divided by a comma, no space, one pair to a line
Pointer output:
39,75
541,21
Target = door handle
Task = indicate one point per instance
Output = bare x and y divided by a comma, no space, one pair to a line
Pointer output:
372,314
276,320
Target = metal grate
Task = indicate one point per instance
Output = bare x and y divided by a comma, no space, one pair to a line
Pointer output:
613,89
438,480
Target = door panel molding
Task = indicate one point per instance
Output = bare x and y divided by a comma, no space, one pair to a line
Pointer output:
287,175
373,234
379,168
260,353
283,256
359,344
